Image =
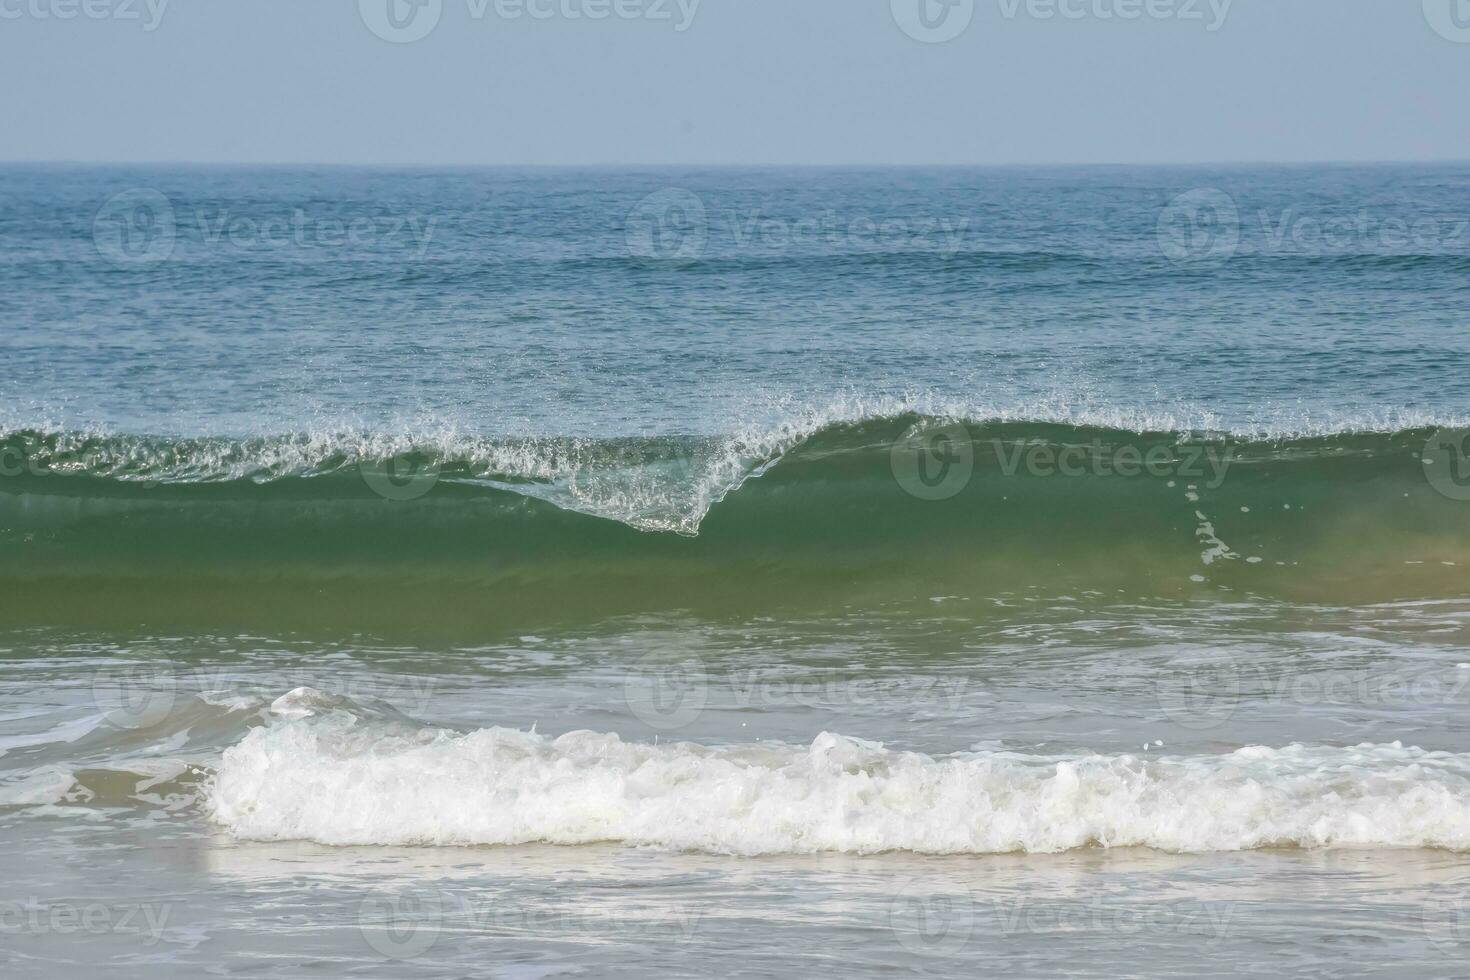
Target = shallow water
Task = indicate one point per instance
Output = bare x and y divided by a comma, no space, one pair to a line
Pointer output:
114,764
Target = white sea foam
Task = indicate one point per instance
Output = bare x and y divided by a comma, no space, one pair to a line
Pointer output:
41,788
665,483
336,776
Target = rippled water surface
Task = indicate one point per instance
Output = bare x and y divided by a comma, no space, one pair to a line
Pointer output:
743,572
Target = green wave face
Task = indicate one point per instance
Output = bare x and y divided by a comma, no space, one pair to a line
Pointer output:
468,536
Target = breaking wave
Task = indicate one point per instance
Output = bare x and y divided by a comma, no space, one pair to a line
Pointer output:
328,772
928,505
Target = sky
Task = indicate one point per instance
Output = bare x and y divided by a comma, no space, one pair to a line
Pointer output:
685,82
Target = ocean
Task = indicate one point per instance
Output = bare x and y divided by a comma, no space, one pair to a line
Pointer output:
757,572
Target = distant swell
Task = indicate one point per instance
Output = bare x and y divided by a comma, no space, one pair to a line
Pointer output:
326,773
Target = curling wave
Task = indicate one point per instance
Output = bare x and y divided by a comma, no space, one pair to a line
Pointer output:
894,506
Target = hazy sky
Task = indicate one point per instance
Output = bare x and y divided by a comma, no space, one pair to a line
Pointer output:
734,81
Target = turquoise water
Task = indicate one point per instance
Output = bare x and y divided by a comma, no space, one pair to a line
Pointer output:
1060,571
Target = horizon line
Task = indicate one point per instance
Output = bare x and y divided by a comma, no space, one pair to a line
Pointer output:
457,165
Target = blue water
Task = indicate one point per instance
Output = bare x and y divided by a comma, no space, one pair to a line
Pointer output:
507,302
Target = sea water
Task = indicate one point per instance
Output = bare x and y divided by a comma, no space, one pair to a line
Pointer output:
761,572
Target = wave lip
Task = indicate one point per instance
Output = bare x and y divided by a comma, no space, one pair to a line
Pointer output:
664,483
336,776
651,483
